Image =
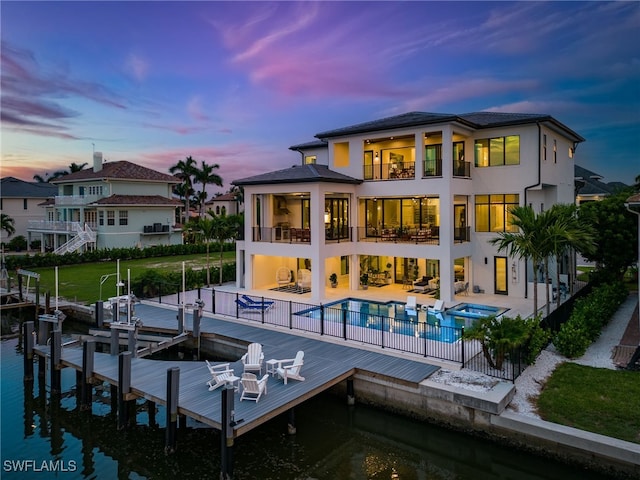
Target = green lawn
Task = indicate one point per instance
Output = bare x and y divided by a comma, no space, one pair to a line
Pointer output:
81,283
597,400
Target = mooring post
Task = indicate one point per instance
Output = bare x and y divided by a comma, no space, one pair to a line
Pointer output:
197,314
115,341
37,312
351,398
124,386
27,342
88,351
151,412
173,388
291,422
56,356
131,343
43,332
113,391
99,314
20,288
226,433
47,302
180,320
115,311
79,386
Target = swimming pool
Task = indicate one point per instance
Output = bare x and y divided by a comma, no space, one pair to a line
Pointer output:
393,317
475,310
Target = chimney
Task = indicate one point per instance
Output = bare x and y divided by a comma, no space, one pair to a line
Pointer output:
97,161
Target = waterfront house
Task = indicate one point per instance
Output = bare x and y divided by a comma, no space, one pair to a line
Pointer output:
21,201
408,199
112,205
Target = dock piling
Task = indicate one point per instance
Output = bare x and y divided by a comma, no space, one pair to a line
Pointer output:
226,435
99,310
27,342
124,386
291,422
56,356
88,351
115,342
173,386
180,320
131,343
351,398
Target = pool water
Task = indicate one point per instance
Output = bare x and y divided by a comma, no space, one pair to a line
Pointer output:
475,310
392,316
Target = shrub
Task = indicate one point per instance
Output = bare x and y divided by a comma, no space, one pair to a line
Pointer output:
17,243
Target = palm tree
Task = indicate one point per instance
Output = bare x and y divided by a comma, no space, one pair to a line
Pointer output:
527,242
205,175
7,224
206,228
185,170
223,228
73,168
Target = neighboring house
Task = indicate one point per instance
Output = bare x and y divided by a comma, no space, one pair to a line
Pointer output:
21,201
406,197
112,205
225,204
590,188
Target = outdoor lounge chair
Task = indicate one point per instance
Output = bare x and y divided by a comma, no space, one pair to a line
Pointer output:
252,388
438,306
283,276
412,303
253,301
290,367
304,278
253,307
220,374
252,360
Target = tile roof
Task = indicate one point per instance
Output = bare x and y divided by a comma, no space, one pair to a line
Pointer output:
150,200
14,187
592,184
225,197
119,170
309,145
477,120
299,174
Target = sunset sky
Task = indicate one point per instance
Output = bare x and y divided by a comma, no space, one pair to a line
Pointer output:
238,83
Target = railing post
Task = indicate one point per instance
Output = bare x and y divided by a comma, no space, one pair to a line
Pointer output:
382,332
344,323
462,343
425,329
213,300
290,315
321,319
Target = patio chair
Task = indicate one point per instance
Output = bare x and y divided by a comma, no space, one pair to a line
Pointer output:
253,307
220,374
412,303
290,367
438,306
304,278
252,360
283,276
252,301
252,388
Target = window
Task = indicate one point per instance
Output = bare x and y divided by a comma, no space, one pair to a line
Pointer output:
111,217
101,218
310,159
492,212
25,204
544,147
433,160
123,217
555,151
499,151
459,166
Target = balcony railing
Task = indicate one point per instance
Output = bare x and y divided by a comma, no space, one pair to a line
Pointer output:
390,171
281,235
461,169
462,234
422,236
432,168
156,229
76,199
57,226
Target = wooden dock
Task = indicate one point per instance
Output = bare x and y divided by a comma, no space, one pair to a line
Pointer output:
326,363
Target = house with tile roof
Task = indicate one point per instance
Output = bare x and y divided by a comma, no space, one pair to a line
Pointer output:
21,201
225,204
411,199
112,205
591,188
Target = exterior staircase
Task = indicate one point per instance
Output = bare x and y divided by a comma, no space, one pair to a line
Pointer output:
83,236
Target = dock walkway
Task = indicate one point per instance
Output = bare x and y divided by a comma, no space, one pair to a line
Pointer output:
325,365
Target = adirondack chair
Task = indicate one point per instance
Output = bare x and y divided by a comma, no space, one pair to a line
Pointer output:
290,367
252,388
220,374
252,360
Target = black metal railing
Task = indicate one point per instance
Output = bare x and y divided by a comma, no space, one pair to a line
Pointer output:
390,171
423,236
461,169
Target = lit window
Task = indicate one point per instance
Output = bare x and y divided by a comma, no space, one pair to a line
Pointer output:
493,212
499,151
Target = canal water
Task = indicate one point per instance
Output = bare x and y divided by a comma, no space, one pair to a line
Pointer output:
43,438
